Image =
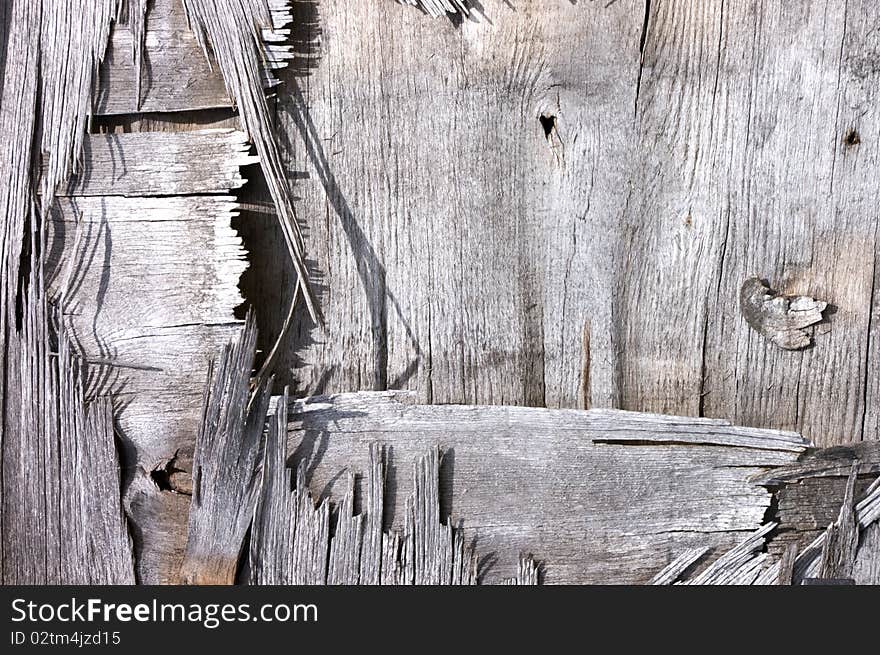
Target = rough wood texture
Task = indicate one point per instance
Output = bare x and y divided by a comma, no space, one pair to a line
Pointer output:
607,174
783,320
610,495
175,73
225,466
161,164
62,520
291,540
60,494
150,278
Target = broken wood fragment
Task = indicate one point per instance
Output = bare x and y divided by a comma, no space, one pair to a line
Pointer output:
782,320
225,466
291,540
646,487
677,567
842,538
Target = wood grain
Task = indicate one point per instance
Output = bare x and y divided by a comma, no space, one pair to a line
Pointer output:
561,171
594,496
176,73
145,254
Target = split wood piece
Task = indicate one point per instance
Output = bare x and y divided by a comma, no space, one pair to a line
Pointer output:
677,567
62,520
644,487
833,555
225,466
842,538
741,565
143,249
783,320
527,575
810,491
848,549
60,494
230,29
165,69
291,542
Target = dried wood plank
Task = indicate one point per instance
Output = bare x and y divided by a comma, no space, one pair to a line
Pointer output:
514,474
799,215
225,466
163,163
466,267
176,73
619,199
62,516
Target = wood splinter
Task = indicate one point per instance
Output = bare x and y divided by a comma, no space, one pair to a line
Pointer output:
783,320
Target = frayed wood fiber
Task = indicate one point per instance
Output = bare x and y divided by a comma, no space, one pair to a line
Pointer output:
154,270
225,466
179,77
635,489
60,490
847,550
60,482
292,541
437,8
232,30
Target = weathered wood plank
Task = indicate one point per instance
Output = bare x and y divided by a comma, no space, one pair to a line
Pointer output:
59,488
462,206
161,163
587,245
559,484
800,214
176,74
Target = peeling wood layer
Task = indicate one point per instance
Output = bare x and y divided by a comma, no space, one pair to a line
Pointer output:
783,320
596,496
161,164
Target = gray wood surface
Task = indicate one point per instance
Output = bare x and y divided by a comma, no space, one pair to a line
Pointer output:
143,248
594,496
175,74
225,465
291,541
557,204
62,519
